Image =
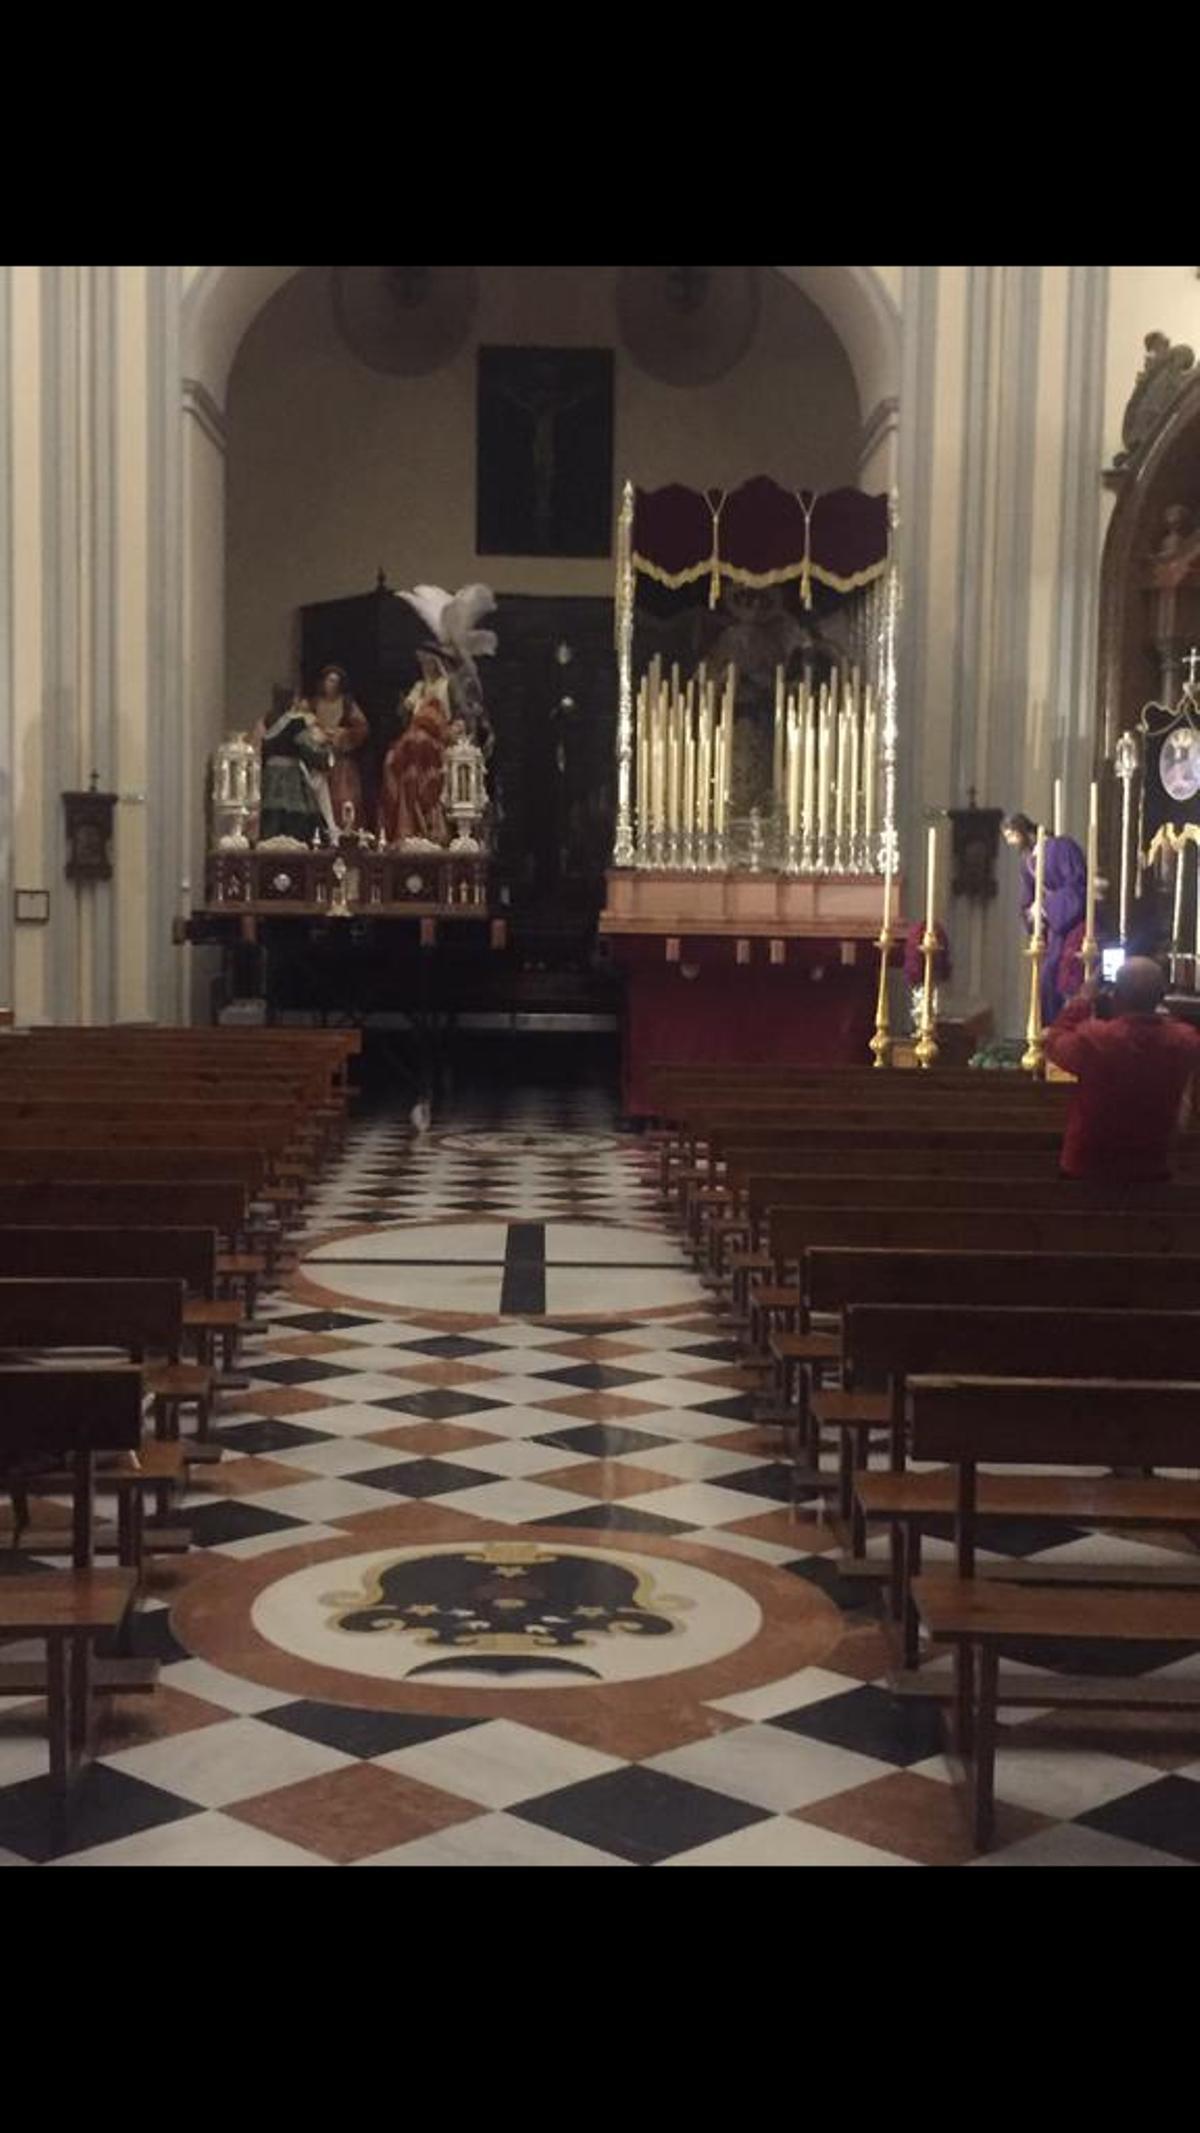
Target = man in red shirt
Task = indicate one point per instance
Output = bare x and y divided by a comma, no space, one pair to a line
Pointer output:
1132,1070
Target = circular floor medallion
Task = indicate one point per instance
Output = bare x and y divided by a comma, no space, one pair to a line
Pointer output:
515,1269
563,1147
506,1614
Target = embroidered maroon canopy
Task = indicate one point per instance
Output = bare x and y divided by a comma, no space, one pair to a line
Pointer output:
760,534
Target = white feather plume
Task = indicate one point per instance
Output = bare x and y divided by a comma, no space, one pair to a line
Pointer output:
452,618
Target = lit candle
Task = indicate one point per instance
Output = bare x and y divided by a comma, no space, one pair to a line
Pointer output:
1177,920
793,769
931,878
887,890
1039,886
1058,830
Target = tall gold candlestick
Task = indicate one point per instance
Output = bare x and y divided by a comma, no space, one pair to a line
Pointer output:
1090,946
1033,1058
881,1041
926,1048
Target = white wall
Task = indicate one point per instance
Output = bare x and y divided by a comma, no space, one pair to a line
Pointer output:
334,469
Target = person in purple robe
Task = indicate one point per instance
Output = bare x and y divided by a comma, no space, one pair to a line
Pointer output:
1064,897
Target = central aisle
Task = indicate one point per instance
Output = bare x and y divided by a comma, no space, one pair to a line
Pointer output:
498,1569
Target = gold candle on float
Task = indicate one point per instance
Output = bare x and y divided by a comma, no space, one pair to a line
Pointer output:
704,761
842,782
642,729
689,761
855,772
781,713
660,759
869,752
823,750
810,764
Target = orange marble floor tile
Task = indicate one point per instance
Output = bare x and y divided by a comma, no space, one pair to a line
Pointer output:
430,1439
598,1406
305,1344
593,1349
803,1534
133,1721
275,1401
865,1653
919,1818
603,1720
605,1479
349,1814
246,1477
440,1373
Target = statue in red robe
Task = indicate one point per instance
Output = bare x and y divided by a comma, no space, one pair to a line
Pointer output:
413,806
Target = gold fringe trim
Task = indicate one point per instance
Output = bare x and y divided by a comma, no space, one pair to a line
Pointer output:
673,580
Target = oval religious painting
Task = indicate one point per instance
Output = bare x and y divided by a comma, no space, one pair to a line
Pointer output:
404,320
687,325
1179,764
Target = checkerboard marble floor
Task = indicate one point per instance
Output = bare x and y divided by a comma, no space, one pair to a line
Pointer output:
499,1570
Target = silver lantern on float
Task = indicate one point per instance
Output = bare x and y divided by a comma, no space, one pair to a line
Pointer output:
237,790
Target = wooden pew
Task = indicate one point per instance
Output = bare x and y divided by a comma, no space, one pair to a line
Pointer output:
142,1318
88,1252
896,1341
794,1231
74,1415
968,1421
215,1203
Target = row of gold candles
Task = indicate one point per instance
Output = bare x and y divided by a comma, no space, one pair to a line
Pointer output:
826,755
683,751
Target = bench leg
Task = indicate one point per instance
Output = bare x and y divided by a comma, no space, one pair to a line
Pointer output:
861,1452
57,1721
912,1621
983,1785
80,1699
964,1699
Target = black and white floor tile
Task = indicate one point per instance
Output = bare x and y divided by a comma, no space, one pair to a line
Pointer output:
498,1569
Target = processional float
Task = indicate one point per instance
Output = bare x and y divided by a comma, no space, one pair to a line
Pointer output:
751,802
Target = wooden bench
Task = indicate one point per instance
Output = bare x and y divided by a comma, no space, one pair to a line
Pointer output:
72,1415
144,1320
86,1253
892,1342
967,1422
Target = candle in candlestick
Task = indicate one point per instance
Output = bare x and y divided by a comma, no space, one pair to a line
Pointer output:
1196,946
931,879
704,761
1058,813
778,773
1093,837
689,765
1039,886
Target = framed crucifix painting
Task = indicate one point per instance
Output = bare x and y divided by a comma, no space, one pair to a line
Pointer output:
544,465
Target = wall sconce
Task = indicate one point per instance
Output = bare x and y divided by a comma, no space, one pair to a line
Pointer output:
89,817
